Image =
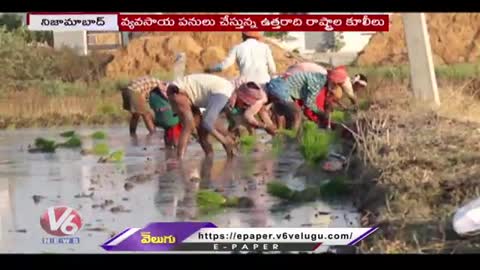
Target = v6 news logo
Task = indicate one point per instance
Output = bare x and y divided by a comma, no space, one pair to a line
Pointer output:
61,221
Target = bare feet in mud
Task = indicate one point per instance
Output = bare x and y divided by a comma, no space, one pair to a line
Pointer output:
231,149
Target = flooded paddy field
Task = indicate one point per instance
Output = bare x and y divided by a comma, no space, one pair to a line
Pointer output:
145,187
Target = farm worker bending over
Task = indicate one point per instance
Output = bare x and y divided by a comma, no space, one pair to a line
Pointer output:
253,57
135,100
190,93
250,99
359,81
305,67
311,91
165,117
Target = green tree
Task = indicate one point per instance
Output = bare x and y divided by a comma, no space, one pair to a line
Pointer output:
11,21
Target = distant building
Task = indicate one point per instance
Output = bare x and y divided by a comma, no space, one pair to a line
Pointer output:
310,42
84,42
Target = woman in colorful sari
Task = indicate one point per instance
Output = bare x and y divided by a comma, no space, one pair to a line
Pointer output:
312,92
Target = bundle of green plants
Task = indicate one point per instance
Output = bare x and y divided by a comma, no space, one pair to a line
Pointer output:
99,135
211,201
101,149
339,116
289,133
330,189
45,145
279,190
334,188
73,142
247,143
315,142
116,156
67,134
279,140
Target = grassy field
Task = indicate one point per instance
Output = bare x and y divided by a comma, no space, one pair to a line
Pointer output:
464,71
416,165
53,102
42,87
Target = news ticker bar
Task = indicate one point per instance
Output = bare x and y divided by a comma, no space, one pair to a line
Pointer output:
207,22
205,236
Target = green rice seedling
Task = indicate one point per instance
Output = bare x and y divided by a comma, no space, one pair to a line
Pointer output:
72,142
289,133
67,134
99,135
339,116
336,187
44,145
279,190
279,140
309,194
232,201
117,156
101,149
247,143
315,143
277,145
210,202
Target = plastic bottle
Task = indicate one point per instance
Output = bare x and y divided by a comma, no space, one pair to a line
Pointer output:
466,220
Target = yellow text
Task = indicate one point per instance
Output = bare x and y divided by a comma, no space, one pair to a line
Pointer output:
165,239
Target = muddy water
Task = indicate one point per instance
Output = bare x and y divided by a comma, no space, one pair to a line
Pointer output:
142,189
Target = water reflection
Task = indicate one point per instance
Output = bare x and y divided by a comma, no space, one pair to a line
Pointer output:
149,186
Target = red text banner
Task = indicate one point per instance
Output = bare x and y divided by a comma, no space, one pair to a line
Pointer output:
256,22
